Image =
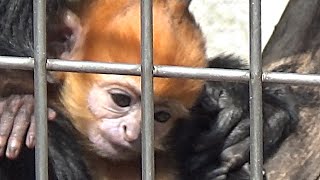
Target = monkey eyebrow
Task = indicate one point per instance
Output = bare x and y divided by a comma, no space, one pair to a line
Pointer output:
124,81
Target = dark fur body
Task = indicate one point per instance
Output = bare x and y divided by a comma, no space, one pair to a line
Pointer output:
217,146
298,157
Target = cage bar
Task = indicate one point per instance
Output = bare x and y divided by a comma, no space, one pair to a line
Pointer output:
40,89
256,123
147,90
254,76
213,74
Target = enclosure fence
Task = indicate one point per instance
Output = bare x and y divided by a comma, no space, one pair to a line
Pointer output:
254,76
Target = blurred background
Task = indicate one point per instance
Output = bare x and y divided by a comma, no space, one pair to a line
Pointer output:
225,23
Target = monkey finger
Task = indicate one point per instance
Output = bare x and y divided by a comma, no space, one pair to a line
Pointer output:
3,103
240,173
14,147
51,114
31,135
6,121
19,129
236,155
29,99
218,174
240,132
225,122
227,119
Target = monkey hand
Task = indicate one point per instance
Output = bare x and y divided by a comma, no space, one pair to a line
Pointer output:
222,151
17,123
222,107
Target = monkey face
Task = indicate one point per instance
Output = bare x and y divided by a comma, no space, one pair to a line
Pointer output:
115,128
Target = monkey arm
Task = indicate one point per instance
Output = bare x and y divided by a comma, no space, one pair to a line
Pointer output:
17,122
15,82
16,87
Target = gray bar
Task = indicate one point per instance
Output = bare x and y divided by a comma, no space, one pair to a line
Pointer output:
40,88
214,74
291,78
147,90
256,123
96,67
23,63
202,73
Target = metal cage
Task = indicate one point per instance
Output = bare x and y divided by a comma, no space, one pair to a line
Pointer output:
255,76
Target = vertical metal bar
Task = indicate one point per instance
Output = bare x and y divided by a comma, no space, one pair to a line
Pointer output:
147,90
40,87
256,123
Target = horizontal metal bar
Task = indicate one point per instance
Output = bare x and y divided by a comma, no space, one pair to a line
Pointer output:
214,74
93,67
23,63
291,78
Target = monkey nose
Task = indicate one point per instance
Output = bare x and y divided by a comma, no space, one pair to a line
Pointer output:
130,132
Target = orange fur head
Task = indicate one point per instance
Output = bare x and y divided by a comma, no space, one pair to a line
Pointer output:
111,33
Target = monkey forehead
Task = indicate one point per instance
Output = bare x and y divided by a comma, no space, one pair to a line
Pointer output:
116,36
183,91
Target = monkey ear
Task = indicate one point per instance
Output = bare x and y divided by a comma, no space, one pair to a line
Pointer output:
71,32
77,36
187,2
179,7
183,4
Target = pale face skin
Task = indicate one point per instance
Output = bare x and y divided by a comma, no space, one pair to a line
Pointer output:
116,105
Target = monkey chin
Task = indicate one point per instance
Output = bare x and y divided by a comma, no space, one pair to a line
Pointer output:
114,151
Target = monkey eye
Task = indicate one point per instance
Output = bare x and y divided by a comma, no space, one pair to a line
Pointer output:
162,116
122,100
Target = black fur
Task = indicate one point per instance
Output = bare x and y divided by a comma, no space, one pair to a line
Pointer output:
217,142
16,25
16,39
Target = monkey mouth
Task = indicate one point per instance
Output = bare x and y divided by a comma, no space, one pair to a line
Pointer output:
118,152
114,150
127,152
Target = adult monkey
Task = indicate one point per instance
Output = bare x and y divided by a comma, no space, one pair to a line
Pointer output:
298,52
295,48
16,39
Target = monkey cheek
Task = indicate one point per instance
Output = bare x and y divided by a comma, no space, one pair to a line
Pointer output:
161,131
